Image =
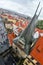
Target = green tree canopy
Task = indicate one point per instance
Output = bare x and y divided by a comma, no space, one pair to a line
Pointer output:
40,24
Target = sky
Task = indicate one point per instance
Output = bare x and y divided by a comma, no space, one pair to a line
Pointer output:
26,7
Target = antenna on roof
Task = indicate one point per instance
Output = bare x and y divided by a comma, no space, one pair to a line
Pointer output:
37,8
40,12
